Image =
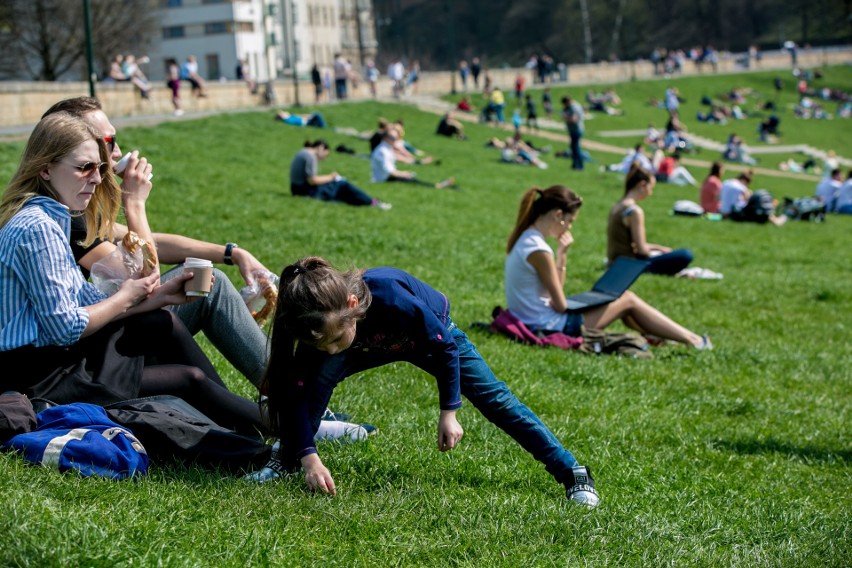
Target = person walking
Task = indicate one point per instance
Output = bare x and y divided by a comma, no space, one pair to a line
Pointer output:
572,114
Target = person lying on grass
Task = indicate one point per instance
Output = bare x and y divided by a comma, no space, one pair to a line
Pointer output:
330,325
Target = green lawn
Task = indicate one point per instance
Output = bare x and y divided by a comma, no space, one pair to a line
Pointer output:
735,457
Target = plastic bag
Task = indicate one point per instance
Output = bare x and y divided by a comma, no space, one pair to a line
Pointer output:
261,296
109,272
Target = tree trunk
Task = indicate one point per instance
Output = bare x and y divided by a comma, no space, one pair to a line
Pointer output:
587,29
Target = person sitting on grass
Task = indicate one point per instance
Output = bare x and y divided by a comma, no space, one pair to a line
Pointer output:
626,228
383,164
735,151
450,127
464,104
636,155
55,325
516,151
331,325
668,169
711,189
406,152
828,188
739,203
535,278
223,315
314,119
306,180
843,204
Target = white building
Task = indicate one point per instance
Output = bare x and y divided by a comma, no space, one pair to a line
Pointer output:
272,34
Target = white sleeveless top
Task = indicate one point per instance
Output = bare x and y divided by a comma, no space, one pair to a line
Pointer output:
526,296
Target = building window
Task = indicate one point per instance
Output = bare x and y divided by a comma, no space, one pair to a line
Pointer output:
213,71
272,40
245,27
212,28
171,3
173,32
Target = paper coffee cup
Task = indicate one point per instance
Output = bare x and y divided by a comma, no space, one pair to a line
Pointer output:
122,165
202,279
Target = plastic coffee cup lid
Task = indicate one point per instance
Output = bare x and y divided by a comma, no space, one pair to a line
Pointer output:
197,262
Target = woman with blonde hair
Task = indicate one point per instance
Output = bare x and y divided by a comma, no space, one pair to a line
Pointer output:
535,276
67,341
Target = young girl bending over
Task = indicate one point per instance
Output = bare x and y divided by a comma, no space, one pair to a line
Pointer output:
534,279
331,324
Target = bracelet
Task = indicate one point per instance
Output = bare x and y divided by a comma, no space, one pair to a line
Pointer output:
229,249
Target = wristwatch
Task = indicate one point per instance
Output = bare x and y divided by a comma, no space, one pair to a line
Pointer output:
229,249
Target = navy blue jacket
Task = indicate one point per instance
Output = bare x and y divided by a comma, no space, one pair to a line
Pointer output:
406,321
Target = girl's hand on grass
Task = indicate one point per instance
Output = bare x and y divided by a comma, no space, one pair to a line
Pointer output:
449,430
317,475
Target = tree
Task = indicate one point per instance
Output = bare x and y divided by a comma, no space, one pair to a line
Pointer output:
44,40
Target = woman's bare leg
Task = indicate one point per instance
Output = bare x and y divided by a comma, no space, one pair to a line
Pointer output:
638,314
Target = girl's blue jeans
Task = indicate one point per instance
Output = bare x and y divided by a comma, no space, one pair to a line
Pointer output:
479,385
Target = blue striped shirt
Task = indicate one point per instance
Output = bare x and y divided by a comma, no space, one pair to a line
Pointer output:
42,292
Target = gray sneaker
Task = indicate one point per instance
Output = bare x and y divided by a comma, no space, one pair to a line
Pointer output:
580,487
272,470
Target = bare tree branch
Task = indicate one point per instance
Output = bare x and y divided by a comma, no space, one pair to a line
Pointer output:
45,39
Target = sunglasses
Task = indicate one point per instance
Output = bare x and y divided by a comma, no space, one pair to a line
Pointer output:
89,168
111,142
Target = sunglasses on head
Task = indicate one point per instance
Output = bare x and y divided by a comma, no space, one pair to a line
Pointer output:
111,142
89,168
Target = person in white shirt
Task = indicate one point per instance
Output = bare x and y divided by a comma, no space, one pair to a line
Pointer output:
843,205
636,155
739,203
828,188
735,194
396,72
383,164
342,69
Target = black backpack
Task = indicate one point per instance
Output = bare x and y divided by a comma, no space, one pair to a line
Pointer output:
805,209
172,429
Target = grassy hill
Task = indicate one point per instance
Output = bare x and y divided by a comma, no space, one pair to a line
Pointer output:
735,457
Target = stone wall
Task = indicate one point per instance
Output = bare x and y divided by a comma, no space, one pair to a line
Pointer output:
23,103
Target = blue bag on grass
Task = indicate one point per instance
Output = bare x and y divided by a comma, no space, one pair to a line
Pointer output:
82,438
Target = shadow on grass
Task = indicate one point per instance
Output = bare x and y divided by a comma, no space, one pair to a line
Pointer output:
810,454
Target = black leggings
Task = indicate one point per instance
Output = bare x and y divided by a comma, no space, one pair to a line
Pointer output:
176,365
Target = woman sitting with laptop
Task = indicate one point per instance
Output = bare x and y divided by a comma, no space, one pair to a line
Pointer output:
625,232
534,276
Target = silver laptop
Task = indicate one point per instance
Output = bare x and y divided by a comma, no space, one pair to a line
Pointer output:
620,275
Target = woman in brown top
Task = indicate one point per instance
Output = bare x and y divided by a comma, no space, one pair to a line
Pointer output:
626,228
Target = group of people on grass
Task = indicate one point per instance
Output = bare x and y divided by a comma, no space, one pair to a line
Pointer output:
59,218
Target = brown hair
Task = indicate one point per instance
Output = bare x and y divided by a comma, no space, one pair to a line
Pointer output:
78,106
746,176
716,169
635,176
536,202
313,298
